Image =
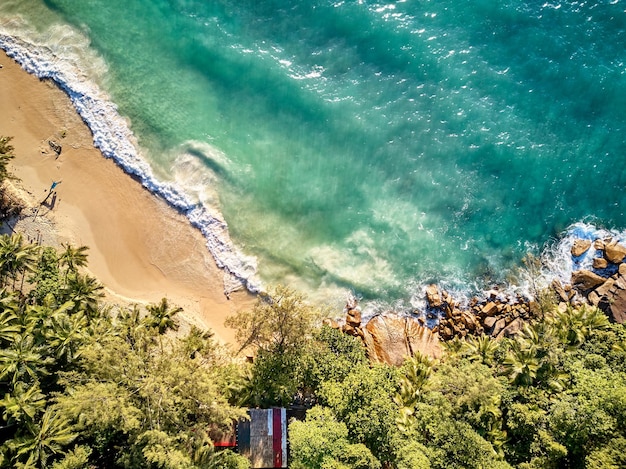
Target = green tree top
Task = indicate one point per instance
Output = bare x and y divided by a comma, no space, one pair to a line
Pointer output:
280,320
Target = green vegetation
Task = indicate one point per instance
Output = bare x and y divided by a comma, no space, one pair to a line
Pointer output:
84,385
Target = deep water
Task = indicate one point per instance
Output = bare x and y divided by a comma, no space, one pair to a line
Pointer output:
363,145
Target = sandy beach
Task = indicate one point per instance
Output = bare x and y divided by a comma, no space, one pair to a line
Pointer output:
139,247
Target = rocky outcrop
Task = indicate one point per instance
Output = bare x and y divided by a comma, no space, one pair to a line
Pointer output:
433,297
391,339
580,247
497,315
585,280
607,293
599,263
352,325
610,296
614,252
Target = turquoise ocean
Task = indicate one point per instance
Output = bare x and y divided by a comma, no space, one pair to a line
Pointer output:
360,146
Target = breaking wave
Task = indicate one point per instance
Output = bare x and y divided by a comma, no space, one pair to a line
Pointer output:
114,138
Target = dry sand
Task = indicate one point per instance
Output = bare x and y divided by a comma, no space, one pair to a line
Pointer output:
139,247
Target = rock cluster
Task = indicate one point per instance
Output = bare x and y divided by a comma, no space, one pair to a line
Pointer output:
391,338
496,315
605,285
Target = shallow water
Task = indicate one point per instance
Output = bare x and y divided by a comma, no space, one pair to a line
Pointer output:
364,145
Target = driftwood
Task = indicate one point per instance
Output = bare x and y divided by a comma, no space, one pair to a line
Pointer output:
55,147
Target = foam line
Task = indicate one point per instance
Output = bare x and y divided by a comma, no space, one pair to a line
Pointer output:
113,137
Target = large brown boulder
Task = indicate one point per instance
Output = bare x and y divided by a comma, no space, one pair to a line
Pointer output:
512,329
391,339
433,297
614,252
498,327
616,300
600,263
489,322
560,291
580,247
585,280
611,296
604,289
353,317
490,309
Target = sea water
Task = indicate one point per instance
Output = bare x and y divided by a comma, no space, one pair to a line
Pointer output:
354,145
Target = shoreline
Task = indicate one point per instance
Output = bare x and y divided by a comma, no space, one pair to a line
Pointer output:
140,247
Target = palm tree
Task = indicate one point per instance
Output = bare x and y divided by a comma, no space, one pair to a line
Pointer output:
9,308
543,339
73,258
45,439
66,334
521,364
161,316
15,257
24,359
131,325
481,348
9,327
574,325
84,291
23,403
417,371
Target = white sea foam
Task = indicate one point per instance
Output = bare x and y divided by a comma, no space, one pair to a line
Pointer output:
113,137
555,262
557,257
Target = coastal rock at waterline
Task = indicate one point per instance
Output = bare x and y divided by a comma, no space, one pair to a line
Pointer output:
490,309
599,244
614,252
585,280
611,298
603,290
580,247
433,297
469,321
560,290
353,317
600,263
391,339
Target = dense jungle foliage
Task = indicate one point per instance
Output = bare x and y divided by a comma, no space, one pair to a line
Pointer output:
86,385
